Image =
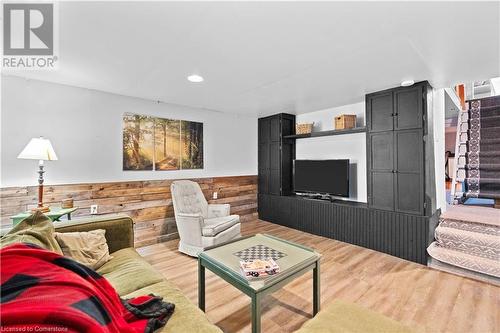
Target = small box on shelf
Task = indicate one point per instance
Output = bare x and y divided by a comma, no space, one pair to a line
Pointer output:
345,121
303,128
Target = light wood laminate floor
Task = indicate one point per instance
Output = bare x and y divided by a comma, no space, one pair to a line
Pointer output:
405,291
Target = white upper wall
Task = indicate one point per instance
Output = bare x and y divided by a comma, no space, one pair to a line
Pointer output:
348,146
85,128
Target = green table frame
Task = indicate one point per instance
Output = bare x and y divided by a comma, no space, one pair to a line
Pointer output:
241,282
55,214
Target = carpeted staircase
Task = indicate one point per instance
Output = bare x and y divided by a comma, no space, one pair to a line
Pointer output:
482,156
467,242
467,239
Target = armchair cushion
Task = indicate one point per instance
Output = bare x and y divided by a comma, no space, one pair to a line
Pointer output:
218,210
215,225
188,198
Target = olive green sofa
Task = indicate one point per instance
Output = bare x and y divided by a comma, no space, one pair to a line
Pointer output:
128,272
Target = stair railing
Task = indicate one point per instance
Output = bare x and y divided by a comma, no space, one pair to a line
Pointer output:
458,174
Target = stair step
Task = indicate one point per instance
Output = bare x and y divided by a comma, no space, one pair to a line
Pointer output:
487,101
488,132
464,260
493,153
483,194
489,146
471,226
485,170
488,187
486,157
488,111
491,141
487,122
486,180
471,242
473,214
483,166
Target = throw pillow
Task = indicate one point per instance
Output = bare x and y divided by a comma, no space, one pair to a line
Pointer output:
36,229
88,248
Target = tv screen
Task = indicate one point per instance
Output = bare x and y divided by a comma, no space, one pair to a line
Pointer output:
322,176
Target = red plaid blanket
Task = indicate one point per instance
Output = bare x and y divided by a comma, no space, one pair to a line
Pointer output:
42,291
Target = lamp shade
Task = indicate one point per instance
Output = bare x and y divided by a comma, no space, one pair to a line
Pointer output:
38,149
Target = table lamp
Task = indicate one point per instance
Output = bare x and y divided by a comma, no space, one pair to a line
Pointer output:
39,149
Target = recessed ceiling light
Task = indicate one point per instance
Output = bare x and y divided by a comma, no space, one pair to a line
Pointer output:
407,83
195,78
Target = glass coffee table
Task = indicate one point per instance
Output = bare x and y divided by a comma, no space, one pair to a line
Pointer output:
224,260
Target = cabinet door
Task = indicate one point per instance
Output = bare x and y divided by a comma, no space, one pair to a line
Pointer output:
287,126
264,162
263,168
381,151
287,156
409,196
382,190
408,106
274,182
264,130
380,112
264,207
263,181
274,156
275,129
263,158
381,170
409,193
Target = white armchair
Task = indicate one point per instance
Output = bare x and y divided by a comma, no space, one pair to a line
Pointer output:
200,224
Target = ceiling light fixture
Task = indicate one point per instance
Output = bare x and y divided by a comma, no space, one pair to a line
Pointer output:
195,78
407,83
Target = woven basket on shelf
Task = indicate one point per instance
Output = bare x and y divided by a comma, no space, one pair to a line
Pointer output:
303,128
345,121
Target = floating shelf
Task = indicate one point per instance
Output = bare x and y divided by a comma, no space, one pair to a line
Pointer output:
326,133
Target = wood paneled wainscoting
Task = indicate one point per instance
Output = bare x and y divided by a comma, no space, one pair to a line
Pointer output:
149,203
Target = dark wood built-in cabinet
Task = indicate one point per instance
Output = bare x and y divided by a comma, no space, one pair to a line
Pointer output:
276,154
398,218
395,149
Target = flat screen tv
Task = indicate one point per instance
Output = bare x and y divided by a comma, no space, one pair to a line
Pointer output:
322,176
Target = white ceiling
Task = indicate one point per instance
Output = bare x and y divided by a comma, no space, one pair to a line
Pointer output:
263,58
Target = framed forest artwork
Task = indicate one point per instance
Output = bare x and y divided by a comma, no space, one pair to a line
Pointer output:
151,143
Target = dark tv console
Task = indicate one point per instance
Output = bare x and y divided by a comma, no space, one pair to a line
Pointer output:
402,235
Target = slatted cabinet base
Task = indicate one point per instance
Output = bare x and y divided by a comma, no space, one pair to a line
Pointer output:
401,235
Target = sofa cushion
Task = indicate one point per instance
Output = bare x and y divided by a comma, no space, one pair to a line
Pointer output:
119,228
187,317
128,271
343,317
36,229
87,247
215,225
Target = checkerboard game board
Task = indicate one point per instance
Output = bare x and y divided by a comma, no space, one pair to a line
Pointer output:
259,252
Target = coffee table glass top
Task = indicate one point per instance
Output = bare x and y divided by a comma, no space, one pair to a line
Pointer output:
289,256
